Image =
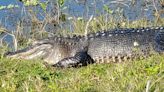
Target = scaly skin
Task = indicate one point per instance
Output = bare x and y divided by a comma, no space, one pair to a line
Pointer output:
102,47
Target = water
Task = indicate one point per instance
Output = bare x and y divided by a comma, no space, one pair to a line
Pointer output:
79,8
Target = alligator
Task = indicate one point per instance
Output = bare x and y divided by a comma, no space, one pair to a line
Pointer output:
117,45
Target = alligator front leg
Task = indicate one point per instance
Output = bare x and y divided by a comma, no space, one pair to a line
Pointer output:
80,59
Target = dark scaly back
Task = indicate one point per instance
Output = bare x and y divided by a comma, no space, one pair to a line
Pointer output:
124,44
117,46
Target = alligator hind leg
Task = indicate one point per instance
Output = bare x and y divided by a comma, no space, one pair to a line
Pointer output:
80,59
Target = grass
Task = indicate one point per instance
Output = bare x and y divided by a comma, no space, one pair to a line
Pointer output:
101,23
33,76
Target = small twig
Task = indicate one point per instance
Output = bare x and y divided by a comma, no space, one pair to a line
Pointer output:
159,79
155,6
119,2
12,35
156,11
148,86
15,42
58,12
86,27
23,11
1,39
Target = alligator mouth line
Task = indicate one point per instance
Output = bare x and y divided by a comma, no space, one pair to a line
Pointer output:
30,52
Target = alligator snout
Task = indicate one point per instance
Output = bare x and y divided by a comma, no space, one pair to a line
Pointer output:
30,52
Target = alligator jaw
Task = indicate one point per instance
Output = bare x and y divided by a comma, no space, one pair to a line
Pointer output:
30,53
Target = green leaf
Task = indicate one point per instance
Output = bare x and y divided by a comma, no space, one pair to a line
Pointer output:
10,6
16,6
107,9
152,70
43,6
2,7
61,2
64,8
31,2
79,18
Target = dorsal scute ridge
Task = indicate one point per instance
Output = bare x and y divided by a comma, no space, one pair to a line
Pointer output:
120,31
105,33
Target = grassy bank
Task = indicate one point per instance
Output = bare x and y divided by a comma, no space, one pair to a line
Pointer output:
33,76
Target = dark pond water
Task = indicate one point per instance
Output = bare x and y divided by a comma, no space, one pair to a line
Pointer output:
131,9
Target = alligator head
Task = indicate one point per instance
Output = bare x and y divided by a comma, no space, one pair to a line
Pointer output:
51,50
